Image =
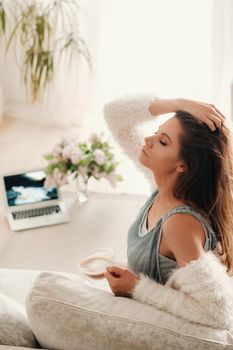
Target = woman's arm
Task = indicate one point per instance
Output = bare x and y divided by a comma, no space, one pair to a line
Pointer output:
195,303
178,303
184,237
124,282
123,116
205,112
148,291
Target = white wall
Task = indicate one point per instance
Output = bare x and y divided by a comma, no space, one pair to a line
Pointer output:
158,46
162,46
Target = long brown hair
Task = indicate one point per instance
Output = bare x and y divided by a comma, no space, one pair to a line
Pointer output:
207,183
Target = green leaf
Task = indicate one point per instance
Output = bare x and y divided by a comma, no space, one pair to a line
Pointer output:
62,167
73,167
84,147
48,156
49,169
109,168
119,177
2,19
36,25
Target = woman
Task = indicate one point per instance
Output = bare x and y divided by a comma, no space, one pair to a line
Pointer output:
190,158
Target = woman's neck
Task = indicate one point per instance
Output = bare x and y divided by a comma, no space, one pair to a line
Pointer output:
167,201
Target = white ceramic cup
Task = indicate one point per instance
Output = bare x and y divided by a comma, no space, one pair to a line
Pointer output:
94,264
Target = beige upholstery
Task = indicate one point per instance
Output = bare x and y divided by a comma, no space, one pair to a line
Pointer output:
64,314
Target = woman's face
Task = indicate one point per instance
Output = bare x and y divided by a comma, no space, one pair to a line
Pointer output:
160,153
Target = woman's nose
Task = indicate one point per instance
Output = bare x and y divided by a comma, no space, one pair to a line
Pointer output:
148,141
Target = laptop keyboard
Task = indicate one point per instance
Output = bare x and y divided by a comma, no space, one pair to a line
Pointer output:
31,213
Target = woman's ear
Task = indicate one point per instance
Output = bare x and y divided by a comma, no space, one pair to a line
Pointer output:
181,168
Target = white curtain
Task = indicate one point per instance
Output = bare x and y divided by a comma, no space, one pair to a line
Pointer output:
222,55
1,103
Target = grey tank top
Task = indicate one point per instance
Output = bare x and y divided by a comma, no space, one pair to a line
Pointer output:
143,249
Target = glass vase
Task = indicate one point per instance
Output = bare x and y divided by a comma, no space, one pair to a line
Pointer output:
82,191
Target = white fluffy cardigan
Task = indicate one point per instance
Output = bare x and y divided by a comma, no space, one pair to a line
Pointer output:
200,292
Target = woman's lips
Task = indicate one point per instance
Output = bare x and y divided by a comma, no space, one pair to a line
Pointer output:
144,152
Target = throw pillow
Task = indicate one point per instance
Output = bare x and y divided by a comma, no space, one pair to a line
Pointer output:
66,314
14,328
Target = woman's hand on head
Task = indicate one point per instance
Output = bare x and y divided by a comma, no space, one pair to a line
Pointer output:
121,281
205,112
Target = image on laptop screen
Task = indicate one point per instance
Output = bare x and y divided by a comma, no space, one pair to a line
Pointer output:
28,188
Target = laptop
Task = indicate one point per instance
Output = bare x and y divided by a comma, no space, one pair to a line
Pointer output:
29,204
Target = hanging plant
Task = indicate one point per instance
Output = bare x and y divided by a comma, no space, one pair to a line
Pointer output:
46,33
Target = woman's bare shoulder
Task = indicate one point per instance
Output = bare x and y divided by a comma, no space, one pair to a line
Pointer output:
184,236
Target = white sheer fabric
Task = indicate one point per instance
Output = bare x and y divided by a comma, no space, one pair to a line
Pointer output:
222,55
1,103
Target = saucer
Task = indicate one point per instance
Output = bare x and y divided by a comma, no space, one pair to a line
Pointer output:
95,263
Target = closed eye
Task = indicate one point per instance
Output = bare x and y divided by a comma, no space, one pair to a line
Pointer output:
162,143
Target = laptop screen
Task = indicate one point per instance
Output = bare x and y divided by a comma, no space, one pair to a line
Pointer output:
28,188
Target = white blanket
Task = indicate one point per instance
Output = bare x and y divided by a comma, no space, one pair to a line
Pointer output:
200,292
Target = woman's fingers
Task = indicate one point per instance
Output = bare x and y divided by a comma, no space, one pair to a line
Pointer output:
210,124
205,112
207,119
212,119
215,116
216,120
109,276
115,271
218,112
112,281
113,268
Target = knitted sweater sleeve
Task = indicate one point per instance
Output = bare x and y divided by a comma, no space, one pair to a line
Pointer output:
123,117
192,293
167,299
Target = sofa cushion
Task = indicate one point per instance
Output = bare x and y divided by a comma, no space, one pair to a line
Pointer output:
14,328
64,313
16,283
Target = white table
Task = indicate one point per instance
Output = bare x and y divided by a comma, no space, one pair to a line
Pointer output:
103,221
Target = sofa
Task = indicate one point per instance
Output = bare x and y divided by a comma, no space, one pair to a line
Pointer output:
63,312
46,303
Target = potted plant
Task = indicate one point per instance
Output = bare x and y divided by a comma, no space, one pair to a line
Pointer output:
45,37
